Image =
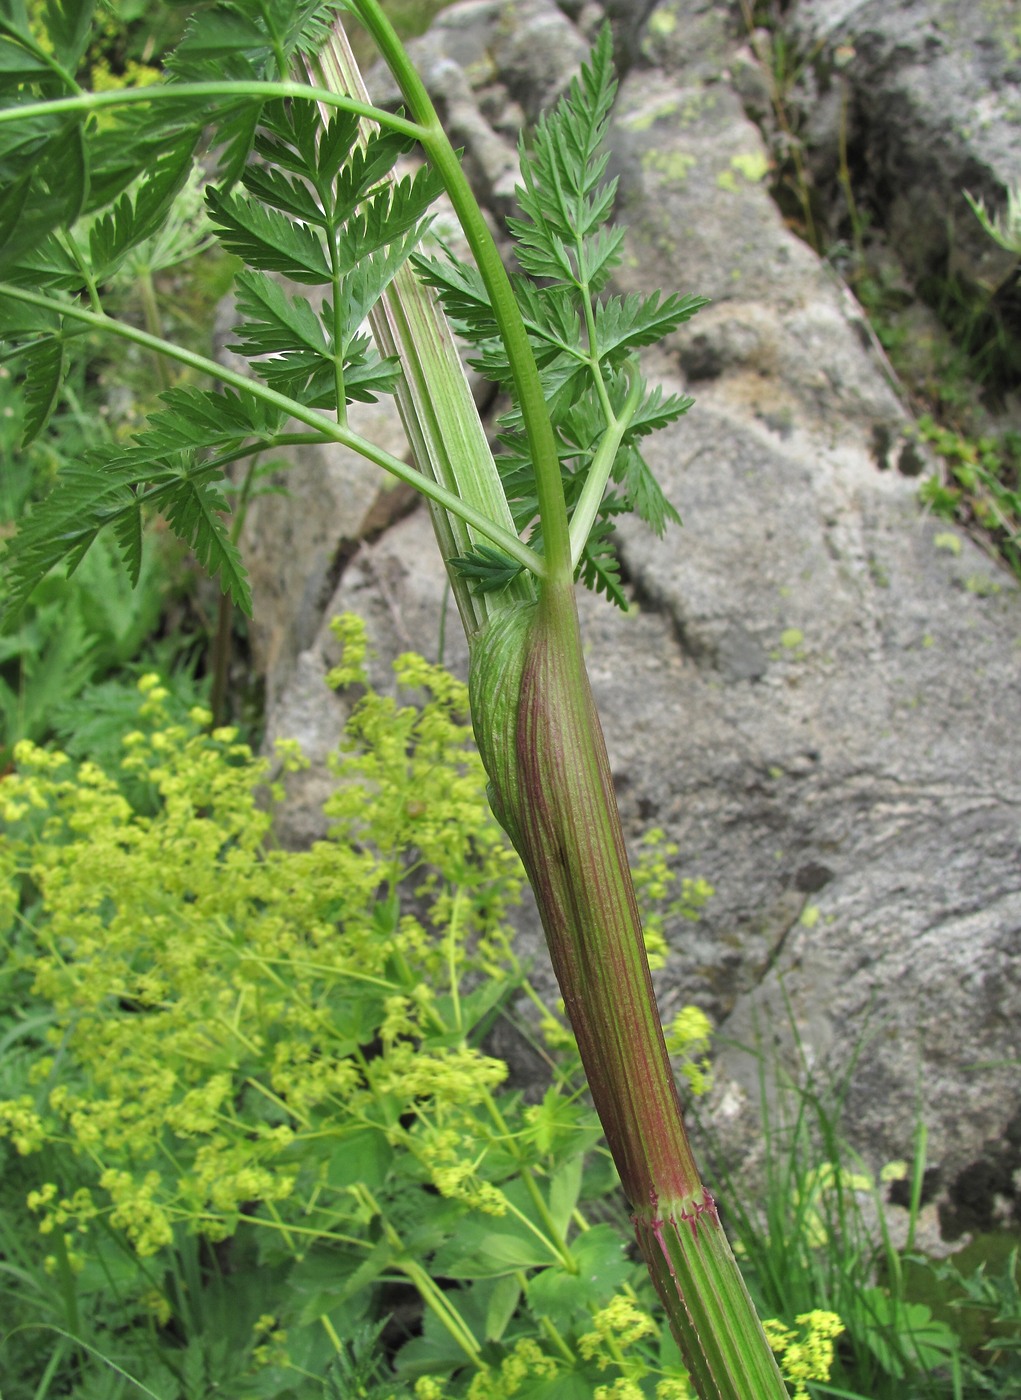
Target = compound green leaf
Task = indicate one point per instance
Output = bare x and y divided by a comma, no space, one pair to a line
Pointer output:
68,26
268,240
137,217
194,510
43,365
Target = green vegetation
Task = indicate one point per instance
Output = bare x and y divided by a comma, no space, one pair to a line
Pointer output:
305,192
256,1142
79,632
980,482
246,1094
254,1139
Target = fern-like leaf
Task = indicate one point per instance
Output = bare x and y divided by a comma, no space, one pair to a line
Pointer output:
43,364
277,324
643,493
195,419
68,26
623,324
369,278
599,567
134,219
294,197
194,511
463,295
165,470
61,528
395,211
268,240
657,412
563,196
487,568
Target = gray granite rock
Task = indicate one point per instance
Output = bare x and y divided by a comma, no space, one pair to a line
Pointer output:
833,735
929,93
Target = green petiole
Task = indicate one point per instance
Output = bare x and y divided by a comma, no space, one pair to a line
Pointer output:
258,91
602,464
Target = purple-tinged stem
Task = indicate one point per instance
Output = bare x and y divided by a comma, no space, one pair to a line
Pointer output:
542,744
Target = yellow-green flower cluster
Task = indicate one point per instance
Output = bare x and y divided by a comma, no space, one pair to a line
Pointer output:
216,1001
56,1211
271,1349
452,1160
688,1038
617,1326
136,1210
20,1122
623,1388
524,1364
674,1388
810,1356
284,1043
654,885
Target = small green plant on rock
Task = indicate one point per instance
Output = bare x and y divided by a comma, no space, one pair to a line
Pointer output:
980,484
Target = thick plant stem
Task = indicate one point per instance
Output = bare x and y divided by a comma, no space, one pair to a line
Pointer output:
551,788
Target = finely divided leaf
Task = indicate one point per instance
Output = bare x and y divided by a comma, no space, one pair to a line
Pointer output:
201,418
44,189
159,472
643,493
366,376
43,363
292,197
599,567
623,324
562,195
19,66
127,531
217,36
68,27
487,568
598,255
48,266
368,165
463,294
99,492
60,529
268,240
337,140
277,324
584,347
194,511
369,278
657,412
136,218
397,209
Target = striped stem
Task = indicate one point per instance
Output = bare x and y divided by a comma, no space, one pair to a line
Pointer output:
551,788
